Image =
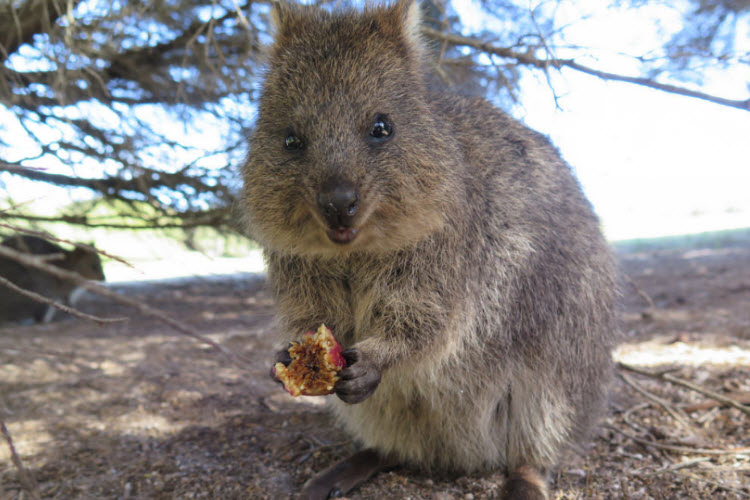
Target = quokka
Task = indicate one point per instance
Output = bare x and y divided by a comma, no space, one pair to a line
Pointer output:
449,248
17,307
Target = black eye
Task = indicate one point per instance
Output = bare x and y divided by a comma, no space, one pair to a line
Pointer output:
381,128
293,143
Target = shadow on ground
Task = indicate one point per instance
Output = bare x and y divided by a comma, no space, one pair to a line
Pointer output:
133,410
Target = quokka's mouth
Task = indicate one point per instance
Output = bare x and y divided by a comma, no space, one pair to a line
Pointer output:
343,235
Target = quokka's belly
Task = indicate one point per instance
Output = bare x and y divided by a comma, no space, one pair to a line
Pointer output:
430,426
507,422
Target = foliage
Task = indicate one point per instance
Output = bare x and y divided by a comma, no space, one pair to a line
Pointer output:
147,104
715,34
143,102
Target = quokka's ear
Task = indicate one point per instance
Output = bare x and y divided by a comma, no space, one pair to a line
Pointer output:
404,19
78,251
278,14
283,17
410,16
279,11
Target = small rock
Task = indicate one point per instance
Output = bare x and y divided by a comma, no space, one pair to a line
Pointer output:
576,472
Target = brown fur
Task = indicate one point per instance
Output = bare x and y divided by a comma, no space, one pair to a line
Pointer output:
479,284
13,306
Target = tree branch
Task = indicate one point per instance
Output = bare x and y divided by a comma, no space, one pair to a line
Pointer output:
18,26
528,60
47,236
112,185
101,185
215,218
646,82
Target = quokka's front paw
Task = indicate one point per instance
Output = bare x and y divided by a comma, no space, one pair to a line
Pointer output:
282,357
359,379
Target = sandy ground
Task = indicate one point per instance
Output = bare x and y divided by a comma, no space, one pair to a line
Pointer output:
134,410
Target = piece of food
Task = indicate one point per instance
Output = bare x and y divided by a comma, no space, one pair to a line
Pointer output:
316,363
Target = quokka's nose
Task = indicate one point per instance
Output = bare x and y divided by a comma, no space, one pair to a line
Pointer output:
338,202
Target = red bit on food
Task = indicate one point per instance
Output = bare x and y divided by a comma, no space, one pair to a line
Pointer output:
316,363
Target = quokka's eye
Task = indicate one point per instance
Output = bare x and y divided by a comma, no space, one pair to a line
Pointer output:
381,128
293,143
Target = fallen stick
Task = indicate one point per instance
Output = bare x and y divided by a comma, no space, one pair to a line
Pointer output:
680,465
679,416
689,385
628,413
640,292
715,483
680,449
180,327
26,480
741,397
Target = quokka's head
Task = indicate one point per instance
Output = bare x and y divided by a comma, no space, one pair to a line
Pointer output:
84,261
346,155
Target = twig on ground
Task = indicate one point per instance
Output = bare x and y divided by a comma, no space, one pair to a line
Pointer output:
26,480
640,292
680,465
680,449
178,326
677,414
684,383
716,483
707,417
626,415
741,397
58,305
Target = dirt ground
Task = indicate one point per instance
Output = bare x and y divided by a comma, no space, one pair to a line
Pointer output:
134,410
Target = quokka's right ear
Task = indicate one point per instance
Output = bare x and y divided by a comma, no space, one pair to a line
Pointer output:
410,16
283,17
402,20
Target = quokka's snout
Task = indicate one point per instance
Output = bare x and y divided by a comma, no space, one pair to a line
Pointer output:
338,202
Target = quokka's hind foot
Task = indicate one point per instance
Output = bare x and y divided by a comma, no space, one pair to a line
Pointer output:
525,483
345,475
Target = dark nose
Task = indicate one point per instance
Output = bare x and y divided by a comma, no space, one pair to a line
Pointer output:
338,203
